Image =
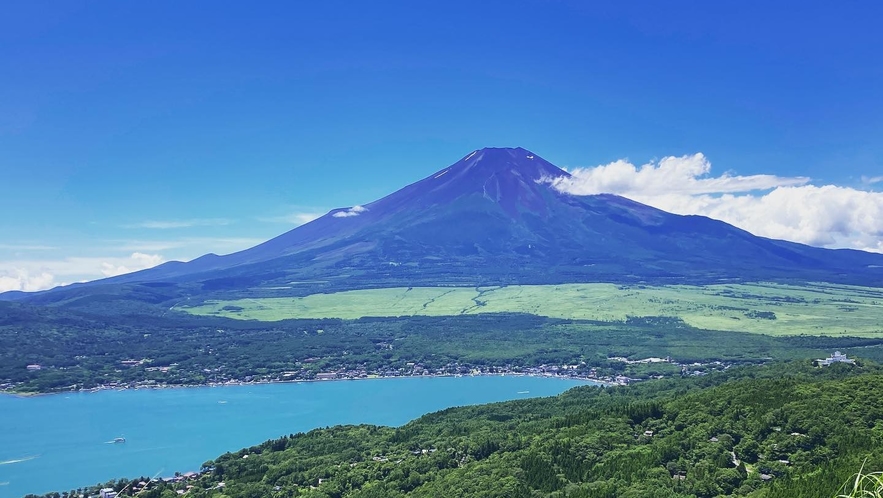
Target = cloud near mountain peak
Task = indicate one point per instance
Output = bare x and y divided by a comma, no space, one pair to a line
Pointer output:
670,175
349,213
789,208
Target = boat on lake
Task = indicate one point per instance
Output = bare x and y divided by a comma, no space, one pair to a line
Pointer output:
119,440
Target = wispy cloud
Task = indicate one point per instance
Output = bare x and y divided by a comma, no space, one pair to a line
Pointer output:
348,213
137,261
197,245
296,218
171,224
787,208
870,180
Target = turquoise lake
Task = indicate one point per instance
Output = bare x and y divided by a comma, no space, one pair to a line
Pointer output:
64,441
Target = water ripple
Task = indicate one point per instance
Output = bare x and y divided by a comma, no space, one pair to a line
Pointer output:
17,460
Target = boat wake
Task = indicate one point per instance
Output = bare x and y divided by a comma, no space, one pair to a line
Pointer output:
18,460
4,483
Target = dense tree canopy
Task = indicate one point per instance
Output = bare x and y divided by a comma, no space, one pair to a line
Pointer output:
781,430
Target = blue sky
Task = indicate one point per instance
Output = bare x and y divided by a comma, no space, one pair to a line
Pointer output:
165,130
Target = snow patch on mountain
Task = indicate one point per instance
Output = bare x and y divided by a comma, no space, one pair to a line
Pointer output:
348,213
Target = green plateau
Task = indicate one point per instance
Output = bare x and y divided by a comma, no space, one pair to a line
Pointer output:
767,308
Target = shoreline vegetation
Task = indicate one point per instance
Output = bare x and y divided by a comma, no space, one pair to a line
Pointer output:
700,436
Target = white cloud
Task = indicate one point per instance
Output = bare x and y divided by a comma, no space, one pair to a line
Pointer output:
767,205
21,279
34,275
870,180
353,211
24,270
671,175
169,224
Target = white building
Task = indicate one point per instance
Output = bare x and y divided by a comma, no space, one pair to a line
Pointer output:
837,357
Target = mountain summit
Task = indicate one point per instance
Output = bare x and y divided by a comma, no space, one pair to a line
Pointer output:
511,178
494,218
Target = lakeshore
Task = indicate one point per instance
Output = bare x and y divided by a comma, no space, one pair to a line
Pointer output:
565,372
59,442
26,395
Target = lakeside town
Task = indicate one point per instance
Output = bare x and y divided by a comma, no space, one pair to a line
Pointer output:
165,376
665,367
639,369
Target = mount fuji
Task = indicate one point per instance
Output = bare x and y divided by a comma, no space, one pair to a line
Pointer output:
491,218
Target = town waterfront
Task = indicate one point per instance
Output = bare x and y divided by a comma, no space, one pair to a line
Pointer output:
64,441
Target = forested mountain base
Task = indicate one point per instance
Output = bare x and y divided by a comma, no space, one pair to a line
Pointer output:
80,351
776,431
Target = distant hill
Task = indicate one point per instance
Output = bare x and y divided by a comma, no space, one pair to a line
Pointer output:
491,218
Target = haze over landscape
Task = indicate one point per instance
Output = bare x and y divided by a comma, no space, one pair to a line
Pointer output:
642,244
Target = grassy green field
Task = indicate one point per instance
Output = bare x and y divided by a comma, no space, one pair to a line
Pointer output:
776,309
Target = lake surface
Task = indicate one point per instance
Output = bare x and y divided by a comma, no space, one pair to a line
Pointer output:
64,441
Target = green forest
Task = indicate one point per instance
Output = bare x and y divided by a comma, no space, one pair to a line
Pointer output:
786,429
80,351
752,417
